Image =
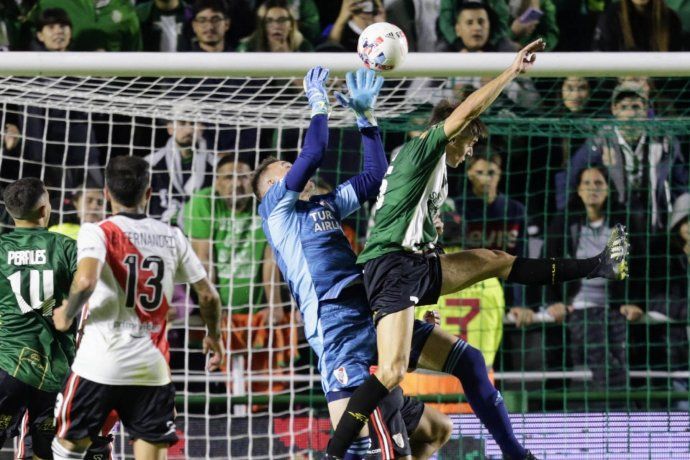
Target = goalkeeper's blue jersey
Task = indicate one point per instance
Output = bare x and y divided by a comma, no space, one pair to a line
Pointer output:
311,249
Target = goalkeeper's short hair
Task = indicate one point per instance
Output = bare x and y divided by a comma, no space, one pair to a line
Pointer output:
256,177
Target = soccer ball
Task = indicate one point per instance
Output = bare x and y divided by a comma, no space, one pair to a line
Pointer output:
382,46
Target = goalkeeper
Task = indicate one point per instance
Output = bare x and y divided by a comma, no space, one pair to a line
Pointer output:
402,267
319,266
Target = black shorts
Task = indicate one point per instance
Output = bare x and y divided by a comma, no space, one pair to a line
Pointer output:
16,398
400,280
147,412
391,424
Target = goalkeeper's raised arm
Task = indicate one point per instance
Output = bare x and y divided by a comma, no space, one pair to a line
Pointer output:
481,99
363,89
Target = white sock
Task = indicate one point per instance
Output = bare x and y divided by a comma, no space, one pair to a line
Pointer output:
61,453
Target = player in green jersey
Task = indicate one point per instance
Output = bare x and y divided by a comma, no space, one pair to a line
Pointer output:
402,267
36,270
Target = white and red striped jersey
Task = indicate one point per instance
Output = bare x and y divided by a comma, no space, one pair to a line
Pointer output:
124,341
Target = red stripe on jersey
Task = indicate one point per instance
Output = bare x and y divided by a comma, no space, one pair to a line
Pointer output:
64,420
118,248
383,435
21,443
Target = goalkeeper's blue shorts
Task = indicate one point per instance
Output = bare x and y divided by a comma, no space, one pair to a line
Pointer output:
345,342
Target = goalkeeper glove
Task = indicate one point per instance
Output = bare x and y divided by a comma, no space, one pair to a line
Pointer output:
363,88
316,92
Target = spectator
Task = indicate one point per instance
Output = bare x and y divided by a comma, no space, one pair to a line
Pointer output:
474,29
418,20
210,24
354,17
276,30
575,96
575,102
15,33
669,293
576,20
228,238
111,25
491,219
682,8
178,169
647,170
118,23
638,25
162,25
307,15
89,204
53,30
527,25
598,308
500,37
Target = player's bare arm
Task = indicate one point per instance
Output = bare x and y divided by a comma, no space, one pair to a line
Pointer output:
83,285
480,100
209,307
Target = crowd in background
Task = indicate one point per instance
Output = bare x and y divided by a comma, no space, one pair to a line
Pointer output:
334,25
620,171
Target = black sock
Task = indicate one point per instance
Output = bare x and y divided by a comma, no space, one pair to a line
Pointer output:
550,271
360,406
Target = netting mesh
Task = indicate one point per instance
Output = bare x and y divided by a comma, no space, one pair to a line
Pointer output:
625,382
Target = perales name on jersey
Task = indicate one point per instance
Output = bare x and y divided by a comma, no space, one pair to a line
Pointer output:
324,221
30,257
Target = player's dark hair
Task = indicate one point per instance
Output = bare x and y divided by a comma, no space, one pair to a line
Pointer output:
256,177
127,179
22,196
219,6
486,154
444,108
51,16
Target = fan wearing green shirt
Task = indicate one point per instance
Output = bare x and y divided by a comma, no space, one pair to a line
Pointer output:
110,25
229,240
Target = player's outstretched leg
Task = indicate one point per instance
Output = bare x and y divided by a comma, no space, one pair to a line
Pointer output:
465,268
443,352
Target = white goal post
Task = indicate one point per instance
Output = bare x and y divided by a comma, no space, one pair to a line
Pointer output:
595,64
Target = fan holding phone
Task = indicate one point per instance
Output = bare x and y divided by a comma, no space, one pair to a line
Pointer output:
533,18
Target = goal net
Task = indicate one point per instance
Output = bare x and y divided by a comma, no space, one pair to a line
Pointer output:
580,380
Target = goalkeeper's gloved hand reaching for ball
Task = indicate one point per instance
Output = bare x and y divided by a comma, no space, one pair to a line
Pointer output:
315,88
363,88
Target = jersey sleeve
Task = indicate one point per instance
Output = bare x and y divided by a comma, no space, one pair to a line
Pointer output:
426,148
91,243
346,199
278,200
197,217
189,267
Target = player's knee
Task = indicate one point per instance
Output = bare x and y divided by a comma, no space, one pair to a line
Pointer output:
391,375
444,431
501,263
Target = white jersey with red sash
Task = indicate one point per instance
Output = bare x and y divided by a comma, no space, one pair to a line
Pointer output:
124,341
